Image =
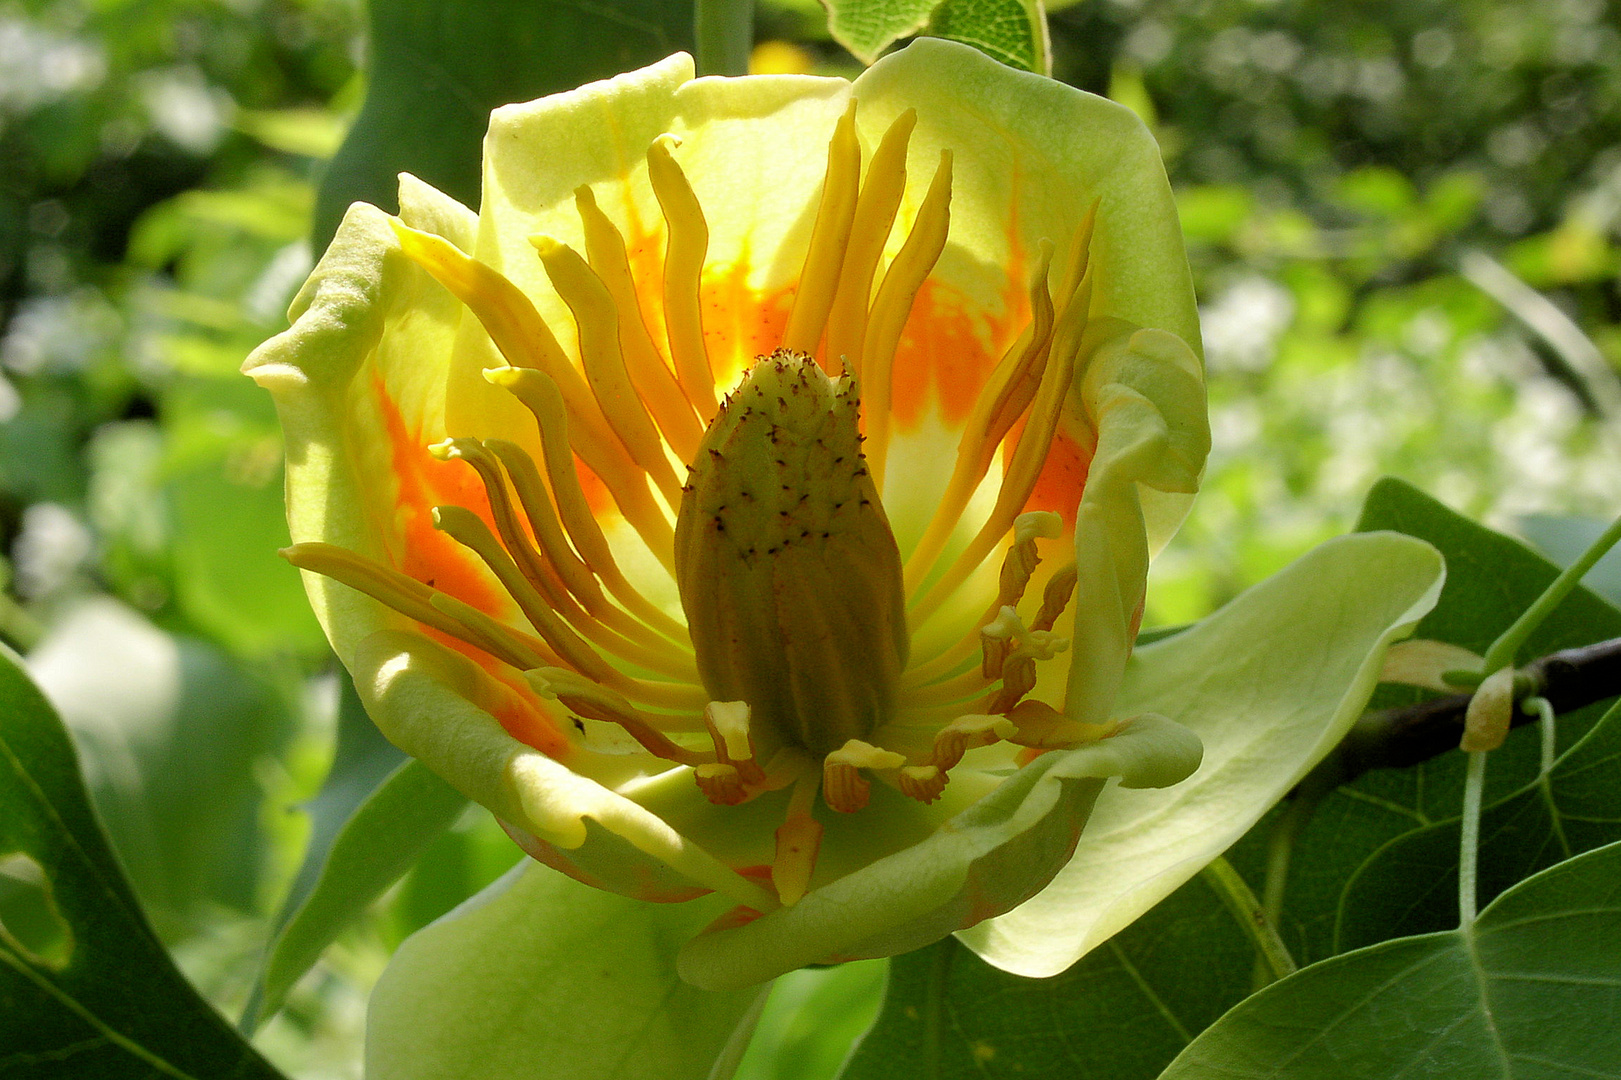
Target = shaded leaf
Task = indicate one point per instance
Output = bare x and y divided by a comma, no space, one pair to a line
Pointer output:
1564,539
1529,990
438,69
1011,31
108,1004
585,981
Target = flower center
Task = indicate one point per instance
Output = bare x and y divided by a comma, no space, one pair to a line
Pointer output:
789,575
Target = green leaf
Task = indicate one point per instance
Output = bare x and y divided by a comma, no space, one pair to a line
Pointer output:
540,976
1011,31
374,849
171,730
361,762
1529,990
1564,539
1574,807
1122,1013
813,1017
438,69
1491,578
102,1000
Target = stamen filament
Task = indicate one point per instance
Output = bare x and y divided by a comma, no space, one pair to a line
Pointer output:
799,841
830,236
654,382
542,398
1008,392
577,572
597,320
597,702
415,600
893,305
686,245
876,207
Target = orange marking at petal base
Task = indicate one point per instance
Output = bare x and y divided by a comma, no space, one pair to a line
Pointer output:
740,323
946,354
1058,487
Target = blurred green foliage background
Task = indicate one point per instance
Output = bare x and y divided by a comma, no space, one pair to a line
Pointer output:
1402,215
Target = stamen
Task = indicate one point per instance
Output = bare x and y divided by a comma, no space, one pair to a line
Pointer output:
799,840
1007,394
597,702
1055,598
925,783
656,385
875,216
685,248
843,787
968,733
597,320
1012,650
893,305
721,784
1028,458
830,236
641,646
1039,726
415,600
596,557
1021,560
728,723
542,398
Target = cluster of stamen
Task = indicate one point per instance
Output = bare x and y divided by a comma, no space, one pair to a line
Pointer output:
792,670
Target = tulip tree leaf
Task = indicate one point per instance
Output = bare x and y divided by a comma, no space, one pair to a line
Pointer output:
1575,807
540,976
361,764
1529,990
438,69
1122,1013
1564,539
1013,32
88,991
1491,579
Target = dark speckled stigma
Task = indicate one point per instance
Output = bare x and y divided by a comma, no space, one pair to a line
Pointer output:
789,575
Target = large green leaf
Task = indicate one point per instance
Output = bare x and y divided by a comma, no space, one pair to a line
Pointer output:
373,850
438,69
1122,1013
812,1019
542,977
1011,31
1528,990
87,989
1491,579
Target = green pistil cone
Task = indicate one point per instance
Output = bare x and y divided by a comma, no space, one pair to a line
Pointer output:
788,572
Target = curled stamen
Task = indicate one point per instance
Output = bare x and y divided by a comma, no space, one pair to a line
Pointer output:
1011,652
597,702
967,733
893,305
1055,598
925,783
655,384
875,215
684,252
1039,726
728,723
721,783
1021,559
830,236
843,787
597,320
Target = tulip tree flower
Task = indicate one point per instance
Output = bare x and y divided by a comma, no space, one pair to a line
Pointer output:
755,498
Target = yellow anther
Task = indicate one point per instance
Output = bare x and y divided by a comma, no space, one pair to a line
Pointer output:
799,840
925,783
830,237
1021,560
874,217
893,305
721,784
657,385
728,724
1042,727
685,248
967,733
597,319
843,787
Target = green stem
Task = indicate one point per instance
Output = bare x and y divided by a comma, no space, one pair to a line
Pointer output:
1469,847
1247,912
724,31
1280,845
934,1008
1501,653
